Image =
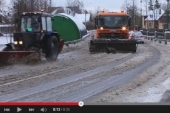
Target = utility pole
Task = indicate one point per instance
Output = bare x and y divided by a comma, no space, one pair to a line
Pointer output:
141,14
126,7
146,14
133,15
50,3
167,10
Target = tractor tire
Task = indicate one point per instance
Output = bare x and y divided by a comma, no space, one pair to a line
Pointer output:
52,48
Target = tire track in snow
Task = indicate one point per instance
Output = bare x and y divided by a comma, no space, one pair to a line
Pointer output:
54,84
113,82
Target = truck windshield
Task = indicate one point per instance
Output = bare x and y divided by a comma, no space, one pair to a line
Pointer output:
30,23
113,21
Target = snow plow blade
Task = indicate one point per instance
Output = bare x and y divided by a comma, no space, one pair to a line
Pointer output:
7,57
113,45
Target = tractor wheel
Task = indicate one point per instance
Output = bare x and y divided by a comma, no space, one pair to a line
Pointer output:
52,48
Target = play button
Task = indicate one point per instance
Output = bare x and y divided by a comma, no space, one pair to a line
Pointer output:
19,109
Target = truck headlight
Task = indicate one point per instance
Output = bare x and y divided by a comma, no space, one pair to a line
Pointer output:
123,28
101,28
15,42
20,42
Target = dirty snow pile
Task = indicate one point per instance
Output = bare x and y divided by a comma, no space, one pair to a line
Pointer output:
4,40
149,86
79,45
152,85
2,47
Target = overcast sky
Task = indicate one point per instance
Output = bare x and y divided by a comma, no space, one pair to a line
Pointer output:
93,4
112,5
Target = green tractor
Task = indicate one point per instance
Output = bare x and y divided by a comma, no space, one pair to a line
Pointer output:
35,35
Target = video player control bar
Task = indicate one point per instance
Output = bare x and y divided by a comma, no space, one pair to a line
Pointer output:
39,107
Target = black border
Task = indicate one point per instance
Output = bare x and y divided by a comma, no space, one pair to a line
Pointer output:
94,109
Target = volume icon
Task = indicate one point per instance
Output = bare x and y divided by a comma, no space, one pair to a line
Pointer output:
44,109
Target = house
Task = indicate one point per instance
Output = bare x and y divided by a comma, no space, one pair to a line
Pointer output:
156,18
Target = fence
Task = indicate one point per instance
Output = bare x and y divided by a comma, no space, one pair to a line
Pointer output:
6,28
160,36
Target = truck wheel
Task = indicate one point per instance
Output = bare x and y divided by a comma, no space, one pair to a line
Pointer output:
52,48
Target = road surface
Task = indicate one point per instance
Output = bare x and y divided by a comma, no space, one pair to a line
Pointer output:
78,75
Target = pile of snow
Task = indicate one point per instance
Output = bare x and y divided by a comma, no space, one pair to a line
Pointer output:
76,46
5,40
154,94
2,47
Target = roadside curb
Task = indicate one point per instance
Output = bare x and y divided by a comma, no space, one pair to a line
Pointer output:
76,41
79,40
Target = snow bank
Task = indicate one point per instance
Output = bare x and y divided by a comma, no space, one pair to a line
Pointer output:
155,93
2,47
5,39
76,46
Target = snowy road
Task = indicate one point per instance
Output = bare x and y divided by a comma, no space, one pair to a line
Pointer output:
78,75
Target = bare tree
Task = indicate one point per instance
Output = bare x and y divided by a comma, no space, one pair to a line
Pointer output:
2,5
20,6
75,3
163,6
131,8
125,6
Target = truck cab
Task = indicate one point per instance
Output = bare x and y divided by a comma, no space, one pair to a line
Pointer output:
112,25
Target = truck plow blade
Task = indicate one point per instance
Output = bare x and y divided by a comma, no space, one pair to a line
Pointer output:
113,45
7,57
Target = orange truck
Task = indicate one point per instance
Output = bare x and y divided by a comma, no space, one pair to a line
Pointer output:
112,33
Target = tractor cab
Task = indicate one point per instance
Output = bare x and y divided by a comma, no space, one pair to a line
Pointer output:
35,22
32,30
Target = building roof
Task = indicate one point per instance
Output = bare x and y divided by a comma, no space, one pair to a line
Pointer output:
158,13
